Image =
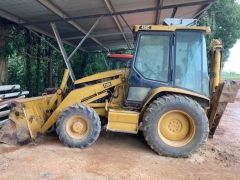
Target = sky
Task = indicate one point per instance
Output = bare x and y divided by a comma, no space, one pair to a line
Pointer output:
233,63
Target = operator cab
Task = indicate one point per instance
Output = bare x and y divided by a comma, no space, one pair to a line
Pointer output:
168,56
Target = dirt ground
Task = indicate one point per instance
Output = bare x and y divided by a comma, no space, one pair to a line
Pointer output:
124,156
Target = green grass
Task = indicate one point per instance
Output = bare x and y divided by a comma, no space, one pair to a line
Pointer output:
231,76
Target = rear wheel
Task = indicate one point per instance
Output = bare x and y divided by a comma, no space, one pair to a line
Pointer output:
78,126
175,126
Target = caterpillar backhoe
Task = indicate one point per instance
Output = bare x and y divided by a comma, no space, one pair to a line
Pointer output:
166,92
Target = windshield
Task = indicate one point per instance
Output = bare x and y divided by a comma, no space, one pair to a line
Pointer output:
191,62
152,58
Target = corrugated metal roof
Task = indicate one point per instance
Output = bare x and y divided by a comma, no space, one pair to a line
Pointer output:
75,17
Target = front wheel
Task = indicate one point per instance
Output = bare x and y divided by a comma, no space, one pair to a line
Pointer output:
175,126
78,126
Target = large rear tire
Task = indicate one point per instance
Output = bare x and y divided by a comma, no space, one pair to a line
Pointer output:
78,126
175,125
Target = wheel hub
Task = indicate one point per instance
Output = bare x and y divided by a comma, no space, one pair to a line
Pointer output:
77,127
176,128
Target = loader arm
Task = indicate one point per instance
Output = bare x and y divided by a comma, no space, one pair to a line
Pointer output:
82,95
36,115
58,94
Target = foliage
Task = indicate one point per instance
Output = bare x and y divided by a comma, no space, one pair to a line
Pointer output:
223,17
21,51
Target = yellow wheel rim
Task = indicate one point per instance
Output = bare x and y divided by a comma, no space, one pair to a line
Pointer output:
77,127
176,128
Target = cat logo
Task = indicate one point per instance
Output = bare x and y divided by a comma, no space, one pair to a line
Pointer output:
107,85
145,27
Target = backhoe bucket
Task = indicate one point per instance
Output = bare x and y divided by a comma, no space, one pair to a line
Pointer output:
225,93
25,120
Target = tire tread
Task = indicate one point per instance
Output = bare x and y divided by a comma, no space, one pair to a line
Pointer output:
93,117
161,102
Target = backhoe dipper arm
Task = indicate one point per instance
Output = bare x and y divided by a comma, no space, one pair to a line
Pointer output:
222,93
217,47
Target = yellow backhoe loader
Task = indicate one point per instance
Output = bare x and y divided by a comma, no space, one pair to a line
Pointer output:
166,92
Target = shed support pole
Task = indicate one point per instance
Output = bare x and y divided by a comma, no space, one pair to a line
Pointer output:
64,54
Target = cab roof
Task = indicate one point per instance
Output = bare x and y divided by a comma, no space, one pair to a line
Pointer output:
172,28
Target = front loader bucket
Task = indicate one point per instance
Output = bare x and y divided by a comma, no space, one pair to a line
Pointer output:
225,93
9,134
25,120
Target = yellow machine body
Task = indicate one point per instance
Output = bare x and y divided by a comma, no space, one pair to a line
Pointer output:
137,28
36,115
155,92
123,121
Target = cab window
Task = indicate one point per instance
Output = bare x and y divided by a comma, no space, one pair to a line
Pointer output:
152,58
191,62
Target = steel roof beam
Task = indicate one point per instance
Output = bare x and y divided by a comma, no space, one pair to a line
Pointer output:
199,14
125,21
195,3
11,17
97,35
18,20
64,16
84,38
117,21
158,11
64,54
174,12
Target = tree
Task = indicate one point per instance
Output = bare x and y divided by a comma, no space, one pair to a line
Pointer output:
28,62
38,60
223,17
4,28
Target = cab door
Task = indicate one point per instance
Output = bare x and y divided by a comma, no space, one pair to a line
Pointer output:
152,65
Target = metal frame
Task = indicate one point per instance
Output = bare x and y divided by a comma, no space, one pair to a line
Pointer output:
66,19
158,11
117,21
174,12
125,21
53,8
32,28
200,13
64,54
97,35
